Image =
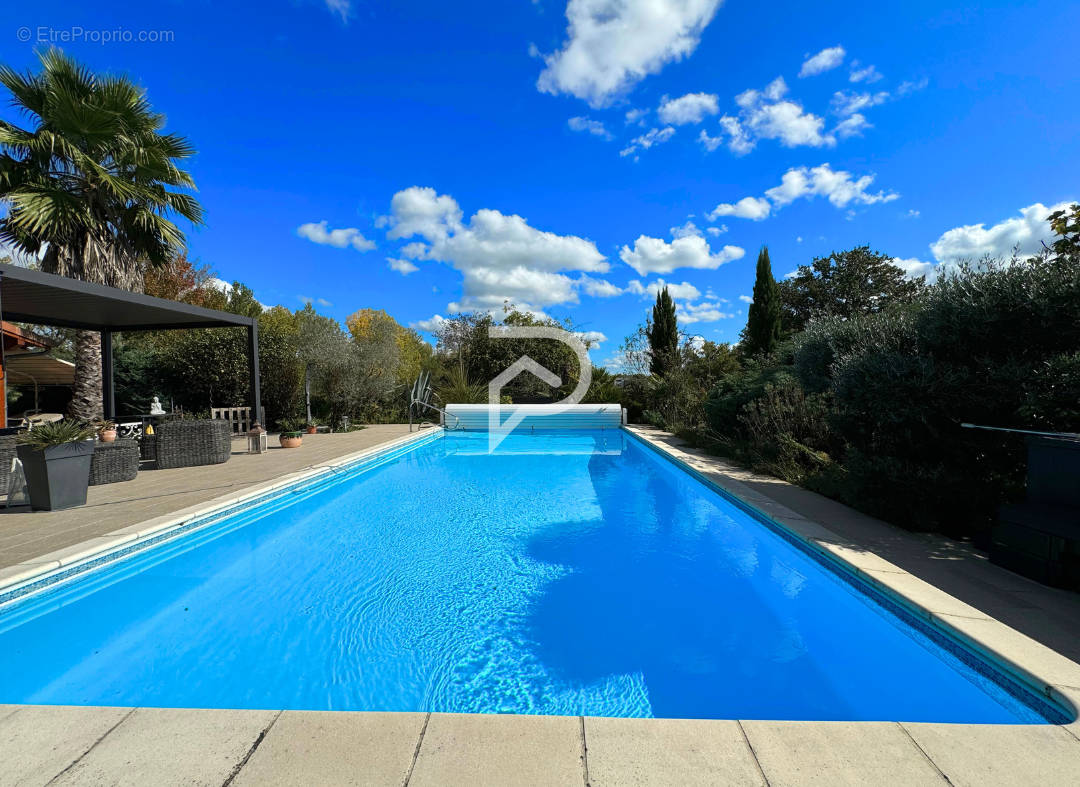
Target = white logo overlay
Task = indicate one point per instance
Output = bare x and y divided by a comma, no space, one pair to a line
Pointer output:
499,429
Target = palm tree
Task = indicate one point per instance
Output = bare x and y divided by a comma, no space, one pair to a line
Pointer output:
89,188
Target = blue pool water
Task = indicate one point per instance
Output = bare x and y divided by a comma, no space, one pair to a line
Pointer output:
570,573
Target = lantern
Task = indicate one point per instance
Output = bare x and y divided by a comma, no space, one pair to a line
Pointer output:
256,439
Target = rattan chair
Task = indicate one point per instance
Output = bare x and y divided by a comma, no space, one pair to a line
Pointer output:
192,443
7,453
113,462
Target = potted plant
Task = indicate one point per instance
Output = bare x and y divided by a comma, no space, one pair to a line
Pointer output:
311,427
56,460
290,436
106,431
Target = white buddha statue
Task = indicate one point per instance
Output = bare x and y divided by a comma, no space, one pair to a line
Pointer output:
155,407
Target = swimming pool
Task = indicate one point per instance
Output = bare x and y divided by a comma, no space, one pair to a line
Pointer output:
571,572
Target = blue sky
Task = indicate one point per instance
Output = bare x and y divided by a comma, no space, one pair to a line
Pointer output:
469,152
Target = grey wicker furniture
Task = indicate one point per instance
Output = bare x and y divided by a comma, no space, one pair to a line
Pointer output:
192,443
7,453
113,462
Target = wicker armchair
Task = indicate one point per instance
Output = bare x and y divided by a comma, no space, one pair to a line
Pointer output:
112,462
192,443
7,453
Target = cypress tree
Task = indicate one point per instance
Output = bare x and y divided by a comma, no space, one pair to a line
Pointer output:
762,331
663,333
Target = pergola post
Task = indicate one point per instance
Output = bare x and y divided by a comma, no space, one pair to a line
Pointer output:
253,370
108,389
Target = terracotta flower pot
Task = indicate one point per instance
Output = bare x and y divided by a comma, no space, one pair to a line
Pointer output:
311,429
290,442
107,435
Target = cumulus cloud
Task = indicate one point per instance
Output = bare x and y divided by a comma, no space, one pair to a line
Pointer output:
746,298
717,231
611,46
655,255
1024,233
342,8
767,114
844,103
913,267
706,311
851,126
652,137
685,290
501,257
912,86
592,338
588,125
636,116
598,288
753,208
691,108
841,188
825,60
869,74
430,325
404,267
349,236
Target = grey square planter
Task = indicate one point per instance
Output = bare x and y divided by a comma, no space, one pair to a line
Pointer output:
58,476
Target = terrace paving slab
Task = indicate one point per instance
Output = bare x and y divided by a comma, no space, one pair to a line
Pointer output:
839,753
171,746
1000,754
499,750
38,742
643,752
320,747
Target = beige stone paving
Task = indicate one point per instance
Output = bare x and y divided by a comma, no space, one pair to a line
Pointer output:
169,746
496,750
642,753
25,535
322,747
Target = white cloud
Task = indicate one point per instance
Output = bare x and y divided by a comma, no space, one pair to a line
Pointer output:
598,288
823,61
691,108
844,103
430,325
717,231
705,311
914,268
341,8
851,126
746,298
636,116
307,299
689,229
1024,233
611,45
755,208
766,114
869,75
910,87
709,143
654,255
911,214
592,338
501,257
651,290
404,267
839,187
652,137
339,239
594,127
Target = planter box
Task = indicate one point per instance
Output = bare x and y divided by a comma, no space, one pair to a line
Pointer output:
58,476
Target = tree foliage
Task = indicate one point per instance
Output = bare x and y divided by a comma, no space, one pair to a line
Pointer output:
762,331
662,331
842,285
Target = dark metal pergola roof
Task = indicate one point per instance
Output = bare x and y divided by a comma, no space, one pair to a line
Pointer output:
45,299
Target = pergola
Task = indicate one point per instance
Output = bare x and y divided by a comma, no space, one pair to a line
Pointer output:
45,299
